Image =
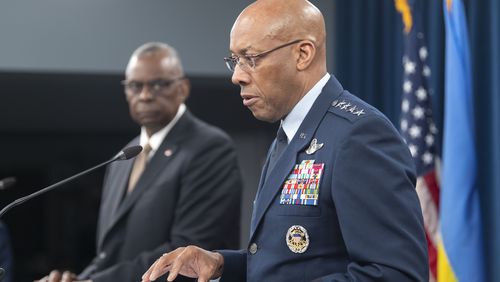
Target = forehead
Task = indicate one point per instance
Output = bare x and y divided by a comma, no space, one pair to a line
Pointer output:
248,35
149,66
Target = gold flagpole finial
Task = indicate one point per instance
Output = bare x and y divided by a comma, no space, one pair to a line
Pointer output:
448,4
403,7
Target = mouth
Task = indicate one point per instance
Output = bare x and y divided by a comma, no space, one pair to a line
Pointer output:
146,114
249,99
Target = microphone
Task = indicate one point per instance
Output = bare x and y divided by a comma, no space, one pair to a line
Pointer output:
125,154
7,182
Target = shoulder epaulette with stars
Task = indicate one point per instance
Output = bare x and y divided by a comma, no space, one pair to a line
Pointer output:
347,109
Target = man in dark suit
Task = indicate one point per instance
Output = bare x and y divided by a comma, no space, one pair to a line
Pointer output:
336,200
184,188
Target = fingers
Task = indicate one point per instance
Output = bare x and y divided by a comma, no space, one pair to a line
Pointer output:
190,261
160,266
176,267
68,277
194,262
163,265
147,275
54,276
43,279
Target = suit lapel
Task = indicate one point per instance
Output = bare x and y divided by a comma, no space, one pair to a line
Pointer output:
158,163
275,178
116,182
121,180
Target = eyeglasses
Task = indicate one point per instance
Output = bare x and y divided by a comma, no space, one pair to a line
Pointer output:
156,86
247,62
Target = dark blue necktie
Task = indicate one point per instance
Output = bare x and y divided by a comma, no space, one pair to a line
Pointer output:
279,147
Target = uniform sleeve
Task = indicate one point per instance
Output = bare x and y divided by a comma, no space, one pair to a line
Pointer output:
378,209
235,266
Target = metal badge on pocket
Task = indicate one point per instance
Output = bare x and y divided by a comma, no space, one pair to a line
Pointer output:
297,239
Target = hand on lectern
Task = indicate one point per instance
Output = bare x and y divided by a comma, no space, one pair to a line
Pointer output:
188,261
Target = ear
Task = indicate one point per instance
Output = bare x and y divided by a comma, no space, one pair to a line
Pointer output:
184,89
307,52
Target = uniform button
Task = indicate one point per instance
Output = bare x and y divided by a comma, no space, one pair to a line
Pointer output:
253,248
102,255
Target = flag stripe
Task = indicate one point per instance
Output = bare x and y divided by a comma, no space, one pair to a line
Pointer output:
429,211
433,186
445,272
432,256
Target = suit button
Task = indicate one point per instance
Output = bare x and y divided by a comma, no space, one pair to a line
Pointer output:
102,255
253,248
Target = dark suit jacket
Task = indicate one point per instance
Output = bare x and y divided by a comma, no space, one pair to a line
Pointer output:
190,197
5,254
367,224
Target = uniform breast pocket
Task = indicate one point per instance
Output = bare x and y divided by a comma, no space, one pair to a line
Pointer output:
300,191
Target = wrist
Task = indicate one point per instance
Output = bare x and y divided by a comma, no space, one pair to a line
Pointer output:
220,266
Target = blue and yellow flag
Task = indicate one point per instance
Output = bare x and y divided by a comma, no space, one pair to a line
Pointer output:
460,254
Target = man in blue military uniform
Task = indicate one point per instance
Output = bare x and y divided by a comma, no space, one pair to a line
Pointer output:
336,200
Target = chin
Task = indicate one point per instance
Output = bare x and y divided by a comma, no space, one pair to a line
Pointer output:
263,117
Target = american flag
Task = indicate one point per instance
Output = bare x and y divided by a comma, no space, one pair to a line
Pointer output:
417,125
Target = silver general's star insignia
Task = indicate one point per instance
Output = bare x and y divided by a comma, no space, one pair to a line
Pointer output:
314,146
348,107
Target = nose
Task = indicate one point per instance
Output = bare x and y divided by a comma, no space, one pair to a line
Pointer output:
146,94
240,77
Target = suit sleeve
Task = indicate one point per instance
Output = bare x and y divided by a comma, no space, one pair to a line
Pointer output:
207,213
378,209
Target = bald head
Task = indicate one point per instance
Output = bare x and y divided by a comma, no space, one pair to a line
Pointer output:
283,20
160,51
280,54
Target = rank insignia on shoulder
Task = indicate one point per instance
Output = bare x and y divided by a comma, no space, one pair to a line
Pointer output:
348,107
314,146
297,239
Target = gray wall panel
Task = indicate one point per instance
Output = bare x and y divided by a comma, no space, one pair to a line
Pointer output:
98,36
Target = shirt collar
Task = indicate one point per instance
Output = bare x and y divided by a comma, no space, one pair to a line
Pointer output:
157,138
294,119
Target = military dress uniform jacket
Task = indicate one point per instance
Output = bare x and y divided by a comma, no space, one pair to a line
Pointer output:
366,224
189,193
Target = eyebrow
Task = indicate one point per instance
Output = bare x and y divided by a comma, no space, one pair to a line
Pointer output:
243,51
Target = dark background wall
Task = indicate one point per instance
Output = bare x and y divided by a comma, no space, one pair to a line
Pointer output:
62,108
98,36
57,124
